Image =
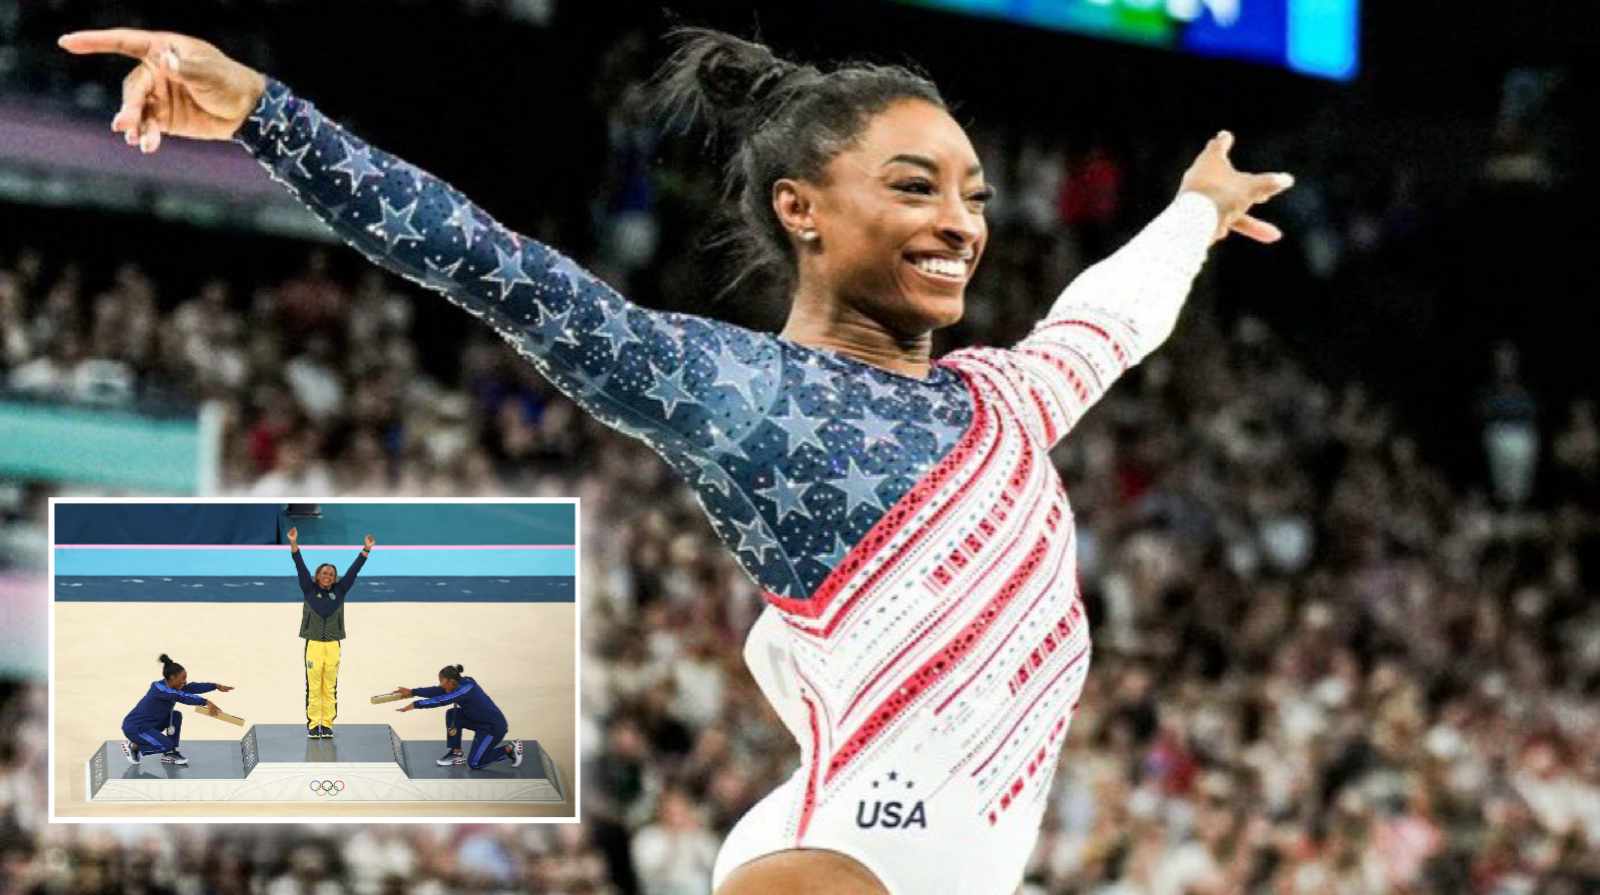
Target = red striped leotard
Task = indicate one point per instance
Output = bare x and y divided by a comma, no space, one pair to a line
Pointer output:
925,643
931,678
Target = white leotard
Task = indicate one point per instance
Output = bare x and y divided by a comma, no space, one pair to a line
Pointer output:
931,678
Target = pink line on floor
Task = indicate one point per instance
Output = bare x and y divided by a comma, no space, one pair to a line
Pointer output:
379,547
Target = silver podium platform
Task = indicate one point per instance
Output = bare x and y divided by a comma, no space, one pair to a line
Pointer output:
278,763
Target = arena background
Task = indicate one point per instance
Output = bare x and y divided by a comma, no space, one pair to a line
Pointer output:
233,615
1339,535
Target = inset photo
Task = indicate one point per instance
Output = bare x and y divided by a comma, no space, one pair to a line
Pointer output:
235,661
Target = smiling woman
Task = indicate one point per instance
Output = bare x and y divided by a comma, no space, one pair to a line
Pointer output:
322,628
925,643
899,229
856,195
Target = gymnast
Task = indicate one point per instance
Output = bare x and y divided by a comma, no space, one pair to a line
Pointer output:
899,511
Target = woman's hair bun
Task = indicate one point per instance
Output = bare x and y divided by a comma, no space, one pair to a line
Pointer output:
459,669
769,119
165,659
719,80
735,72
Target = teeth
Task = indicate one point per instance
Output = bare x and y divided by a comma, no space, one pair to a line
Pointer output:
942,267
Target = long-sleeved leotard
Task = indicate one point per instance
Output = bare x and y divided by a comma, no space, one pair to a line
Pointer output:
795,453
147,725
473,710
924,644
155,707
475,705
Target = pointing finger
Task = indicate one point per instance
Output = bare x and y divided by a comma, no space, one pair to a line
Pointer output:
1256,229
130,42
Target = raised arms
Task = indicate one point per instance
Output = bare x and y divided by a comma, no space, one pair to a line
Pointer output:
349,579
304,574
1117,312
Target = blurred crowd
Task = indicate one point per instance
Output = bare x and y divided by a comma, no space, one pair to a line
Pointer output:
1325,664
1322,667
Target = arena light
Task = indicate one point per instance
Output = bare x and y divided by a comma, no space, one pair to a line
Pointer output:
1320,38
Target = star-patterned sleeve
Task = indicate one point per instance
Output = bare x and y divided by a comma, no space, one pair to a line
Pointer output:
1112,316
646,373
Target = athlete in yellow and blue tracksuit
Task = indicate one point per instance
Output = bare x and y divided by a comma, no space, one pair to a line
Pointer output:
322,628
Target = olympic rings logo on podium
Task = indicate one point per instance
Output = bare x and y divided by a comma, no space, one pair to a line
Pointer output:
327,787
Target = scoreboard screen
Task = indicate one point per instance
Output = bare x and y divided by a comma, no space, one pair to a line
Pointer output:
1319,38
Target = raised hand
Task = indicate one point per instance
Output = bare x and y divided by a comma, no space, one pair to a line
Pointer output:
294,537
1235,192
367,542
182,86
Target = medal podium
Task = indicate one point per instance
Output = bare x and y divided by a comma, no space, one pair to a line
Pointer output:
278,763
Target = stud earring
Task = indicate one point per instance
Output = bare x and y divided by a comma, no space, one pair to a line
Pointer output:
808,235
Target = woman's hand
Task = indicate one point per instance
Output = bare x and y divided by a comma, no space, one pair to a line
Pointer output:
1212,175
294,539
211,707
183,86
403,691
224,688
367,542
407,708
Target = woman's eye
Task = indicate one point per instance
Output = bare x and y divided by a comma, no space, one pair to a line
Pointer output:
981,196
918,187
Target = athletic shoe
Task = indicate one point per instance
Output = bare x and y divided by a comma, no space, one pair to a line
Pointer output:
174,757
516,753
451,758
325,732
130,752
313,733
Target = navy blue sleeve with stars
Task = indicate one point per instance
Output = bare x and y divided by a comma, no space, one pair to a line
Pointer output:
795,453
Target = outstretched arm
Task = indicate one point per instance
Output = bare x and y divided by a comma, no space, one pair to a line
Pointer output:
180,695
628,366
1123,308
443,698
300,569
349,579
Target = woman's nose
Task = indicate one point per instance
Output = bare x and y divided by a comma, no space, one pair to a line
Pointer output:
958,225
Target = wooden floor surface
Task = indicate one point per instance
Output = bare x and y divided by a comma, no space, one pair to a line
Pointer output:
105,658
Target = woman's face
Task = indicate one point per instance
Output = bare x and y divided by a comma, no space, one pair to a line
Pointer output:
449,683
900,219
177,681
325,577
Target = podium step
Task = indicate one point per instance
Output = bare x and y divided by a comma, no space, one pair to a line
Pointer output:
279,763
